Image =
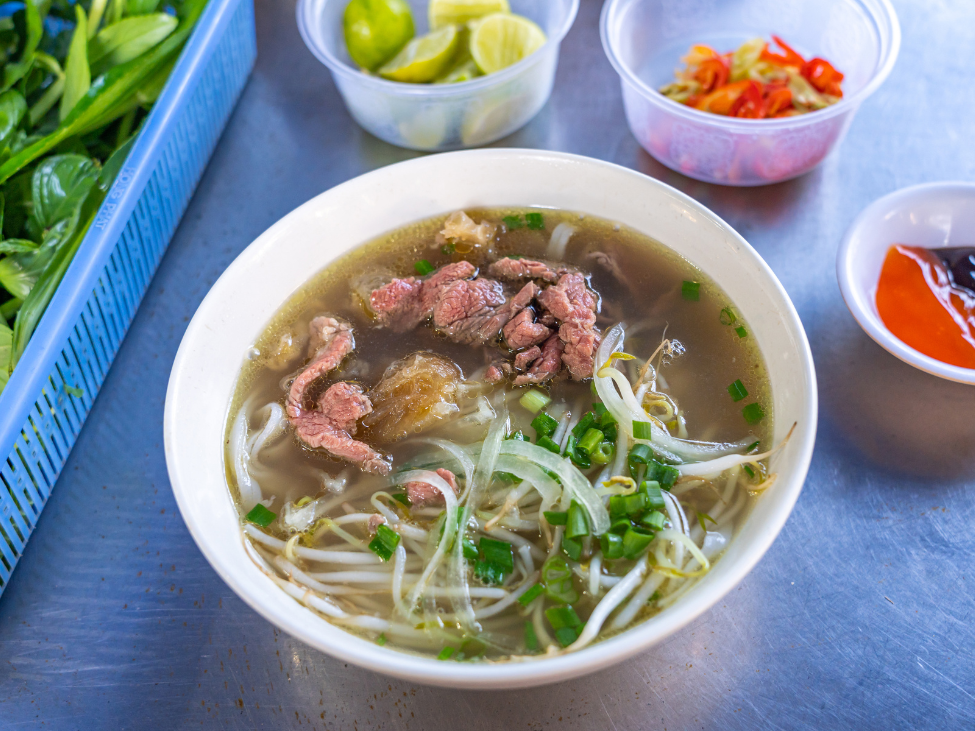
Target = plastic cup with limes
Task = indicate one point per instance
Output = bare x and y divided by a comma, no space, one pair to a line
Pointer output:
375,30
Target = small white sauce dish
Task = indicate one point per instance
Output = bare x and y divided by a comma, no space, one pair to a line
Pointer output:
933,215
270,270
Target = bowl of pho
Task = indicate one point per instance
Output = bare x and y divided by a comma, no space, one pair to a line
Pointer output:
491,419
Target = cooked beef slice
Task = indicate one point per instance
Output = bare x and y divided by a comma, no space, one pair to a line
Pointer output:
422,493
523,331
546,366
526,269
405,303
571,302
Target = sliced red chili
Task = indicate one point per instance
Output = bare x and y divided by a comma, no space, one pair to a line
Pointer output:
777,100
821,74
750,103
789,58
722,99
712,73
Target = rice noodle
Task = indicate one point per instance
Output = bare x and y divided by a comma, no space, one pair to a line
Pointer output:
638,601
595,571
274,426
558,241
250,491
614,597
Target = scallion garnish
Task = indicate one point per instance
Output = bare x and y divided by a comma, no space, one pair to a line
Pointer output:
617,506
579,456
665,474
584,424
751,446
557,579
612,545
566,636
577,524
590,440
642,430
564,616
385,542
448,249
423,267
531,595
636,504
550,444
402,498
512,223
635,540
535,401
742,332
544,425
753,413
556,517
381,640
572,547
749,470
535,221
259,515
691,291
496,561
639,455
737,390
728,316
603,453
531,639
446,653
599,409
518,436
653,521
655,498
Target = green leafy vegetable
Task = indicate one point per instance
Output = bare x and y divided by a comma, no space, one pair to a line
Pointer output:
77,73
496,561
385,542
259,515
128,39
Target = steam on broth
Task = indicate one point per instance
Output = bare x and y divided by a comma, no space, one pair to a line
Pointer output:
505,434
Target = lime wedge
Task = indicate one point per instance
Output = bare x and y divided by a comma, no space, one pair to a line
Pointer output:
458,12
462,72
423,59
376,29
501,39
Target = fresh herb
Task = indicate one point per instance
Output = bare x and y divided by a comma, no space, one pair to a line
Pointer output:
617,506
751,446
448,249
585,423
402,498
529,596
556,517
535,401
424,267
512,223
590,440
727,316
535,221
557,580
753,413
603,453
742,332
565,622
599,409
664,474
653,521
549,444
748,469
544,425
572,547
636,504
385,542
518,436
655,498
578,456
446,653
737,390
635,541
612,545
577,524
496,561
639,455
531,639
691,291
642,430
259,515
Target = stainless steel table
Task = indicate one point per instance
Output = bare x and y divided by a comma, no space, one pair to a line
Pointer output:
861,615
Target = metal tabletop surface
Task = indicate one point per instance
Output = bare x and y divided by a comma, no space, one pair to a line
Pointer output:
862,615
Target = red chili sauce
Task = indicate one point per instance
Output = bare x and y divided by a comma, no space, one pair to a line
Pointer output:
921,300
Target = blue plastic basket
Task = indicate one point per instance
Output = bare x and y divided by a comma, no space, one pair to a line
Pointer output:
80,334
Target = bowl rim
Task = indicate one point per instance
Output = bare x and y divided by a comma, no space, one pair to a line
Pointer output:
304,13
613,650
848,103
857,300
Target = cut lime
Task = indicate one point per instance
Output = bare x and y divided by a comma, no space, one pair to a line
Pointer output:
502,39
376,29
462,72
423,59
458,12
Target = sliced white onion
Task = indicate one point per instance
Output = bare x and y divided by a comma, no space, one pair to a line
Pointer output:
559,240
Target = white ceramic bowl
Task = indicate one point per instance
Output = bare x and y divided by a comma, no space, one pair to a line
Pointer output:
436,117
243,300
933,215
644,40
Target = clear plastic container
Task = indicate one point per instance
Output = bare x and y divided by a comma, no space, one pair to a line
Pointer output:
435,117
644,40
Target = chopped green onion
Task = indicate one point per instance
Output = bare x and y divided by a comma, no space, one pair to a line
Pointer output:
742,332
691,291
636,504
381,640
751,446
577,455
610,431
620,525
557,579
583,426
612,545
577,524
261,516
446,653
512,223
600,410
73,391
566,636
448,249
642,430
529,596
564,616
665,474
653,521
607,420
556,517
617,506
518,436
531,639
603,453
549,444
535,401
655,498
470,550
385,542
423,267
572,548
496,561
635,540
402,498
544,425
590,440
535,221
737,390
749,470
753,413
728,316
640,454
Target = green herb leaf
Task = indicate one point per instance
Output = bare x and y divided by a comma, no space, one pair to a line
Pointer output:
727,316
33,21
737,390
13,108
446,653
535,221
529,596
496,561
385,542
753,413
691,291
259,515
128,39
512,223
742,332
140,7
59,186
77,74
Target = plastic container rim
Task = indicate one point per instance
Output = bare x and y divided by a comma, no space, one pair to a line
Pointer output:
305,16
886,16
856,298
